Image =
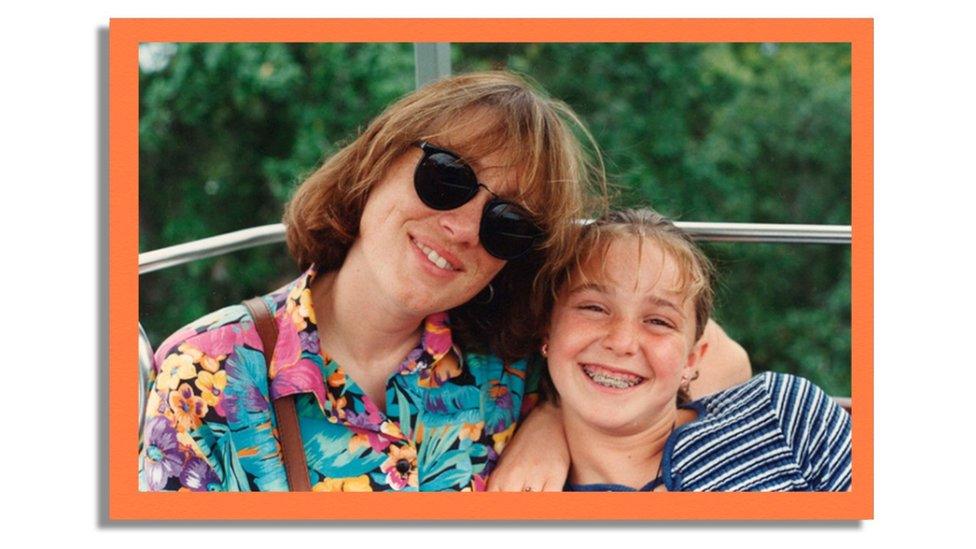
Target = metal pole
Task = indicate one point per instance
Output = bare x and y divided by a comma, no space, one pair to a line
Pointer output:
767,232
210,247
432,61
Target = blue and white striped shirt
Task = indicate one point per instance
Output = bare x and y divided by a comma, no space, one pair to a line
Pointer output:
774,433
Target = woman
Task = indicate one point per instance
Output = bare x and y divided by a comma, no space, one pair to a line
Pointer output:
624,347
447,206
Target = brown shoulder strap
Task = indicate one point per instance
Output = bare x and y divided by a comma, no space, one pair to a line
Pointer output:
292,449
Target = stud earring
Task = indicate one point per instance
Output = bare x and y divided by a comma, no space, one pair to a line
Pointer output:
545,349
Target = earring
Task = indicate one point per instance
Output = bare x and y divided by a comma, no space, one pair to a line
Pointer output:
545,349
491,295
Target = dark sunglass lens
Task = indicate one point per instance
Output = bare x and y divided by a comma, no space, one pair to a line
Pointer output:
443,181
506,230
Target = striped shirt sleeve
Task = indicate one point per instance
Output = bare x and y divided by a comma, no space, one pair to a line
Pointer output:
817,430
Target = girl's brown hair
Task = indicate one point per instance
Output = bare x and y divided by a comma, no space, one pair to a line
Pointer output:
694,267
498,112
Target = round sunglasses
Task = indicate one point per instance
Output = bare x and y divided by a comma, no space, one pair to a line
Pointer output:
444,182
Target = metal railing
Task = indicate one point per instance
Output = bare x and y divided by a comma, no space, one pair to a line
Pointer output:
711,232
210,247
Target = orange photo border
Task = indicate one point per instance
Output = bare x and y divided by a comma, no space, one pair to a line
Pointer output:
126,502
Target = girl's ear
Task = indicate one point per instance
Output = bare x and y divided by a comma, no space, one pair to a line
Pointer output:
695,356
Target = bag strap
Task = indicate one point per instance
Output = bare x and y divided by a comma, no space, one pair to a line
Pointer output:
292,449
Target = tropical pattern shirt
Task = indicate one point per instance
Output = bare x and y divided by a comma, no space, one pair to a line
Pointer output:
210,423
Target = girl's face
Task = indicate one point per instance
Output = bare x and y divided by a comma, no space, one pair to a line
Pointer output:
424,260
619,343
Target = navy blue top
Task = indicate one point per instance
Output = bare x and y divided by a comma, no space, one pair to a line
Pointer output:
774,433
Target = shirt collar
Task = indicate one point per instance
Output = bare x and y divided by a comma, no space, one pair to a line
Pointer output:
293,370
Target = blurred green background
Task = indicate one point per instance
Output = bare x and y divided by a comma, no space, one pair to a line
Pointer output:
702,132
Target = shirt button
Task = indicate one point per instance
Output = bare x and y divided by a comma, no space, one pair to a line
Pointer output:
403,466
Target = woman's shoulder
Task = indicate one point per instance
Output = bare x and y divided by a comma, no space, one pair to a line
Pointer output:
218,332
214,335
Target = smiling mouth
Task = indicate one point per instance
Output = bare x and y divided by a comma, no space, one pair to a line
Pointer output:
613,379
433,257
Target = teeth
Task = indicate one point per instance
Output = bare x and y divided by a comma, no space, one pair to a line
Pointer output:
434,258
601,377
610,382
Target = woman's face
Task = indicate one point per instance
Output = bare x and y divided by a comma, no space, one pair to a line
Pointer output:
619,343
427,260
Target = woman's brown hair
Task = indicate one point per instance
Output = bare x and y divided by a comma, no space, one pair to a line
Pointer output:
559,183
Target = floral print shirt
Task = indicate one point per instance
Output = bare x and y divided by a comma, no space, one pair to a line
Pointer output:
210,423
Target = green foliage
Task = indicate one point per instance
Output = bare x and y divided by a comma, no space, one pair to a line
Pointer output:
703,132
226,133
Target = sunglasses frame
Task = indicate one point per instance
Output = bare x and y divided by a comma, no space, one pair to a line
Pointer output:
486,234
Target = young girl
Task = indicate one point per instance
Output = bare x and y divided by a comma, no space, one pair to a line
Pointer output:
623,346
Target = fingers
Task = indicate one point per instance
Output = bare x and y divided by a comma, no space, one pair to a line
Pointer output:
511,480
513,485
525,479
499,482
551,486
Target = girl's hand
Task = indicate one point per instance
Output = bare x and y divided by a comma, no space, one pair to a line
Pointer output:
537,458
